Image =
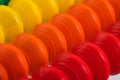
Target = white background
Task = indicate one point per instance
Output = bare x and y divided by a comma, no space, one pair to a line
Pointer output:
117,77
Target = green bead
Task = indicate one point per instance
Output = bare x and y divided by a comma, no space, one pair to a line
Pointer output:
6,2
1,1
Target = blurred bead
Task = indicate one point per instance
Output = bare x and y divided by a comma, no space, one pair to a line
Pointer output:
11,21
28,12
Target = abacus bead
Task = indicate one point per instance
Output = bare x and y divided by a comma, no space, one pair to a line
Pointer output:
48,8
95,58
33,49
3,73
13,61
49,73
111,46
52,38
70,27
73,66
11,21
31,17
114,29
87,18
104,10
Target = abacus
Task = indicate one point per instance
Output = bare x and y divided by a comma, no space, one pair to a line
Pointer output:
59,39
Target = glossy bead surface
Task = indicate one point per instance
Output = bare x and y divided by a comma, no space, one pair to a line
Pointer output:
73,66
111,46
28,12
70,27
104,10
95,58
33,49
11,21
13,61
52,38
87,18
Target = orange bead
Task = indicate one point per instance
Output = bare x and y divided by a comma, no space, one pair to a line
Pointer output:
52,38
104,10
13,61
116,6
33,49
3,73
88,19
70,27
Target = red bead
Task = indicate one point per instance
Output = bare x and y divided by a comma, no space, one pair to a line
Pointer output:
49,73
73,66
114,29
26,78
111,46
95,58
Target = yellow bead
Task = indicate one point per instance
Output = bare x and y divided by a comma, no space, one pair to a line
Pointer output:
48,8
12,24
79,1
64,4
2,36
28,11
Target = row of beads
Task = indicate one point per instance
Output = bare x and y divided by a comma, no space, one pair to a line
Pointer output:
59,35
93,60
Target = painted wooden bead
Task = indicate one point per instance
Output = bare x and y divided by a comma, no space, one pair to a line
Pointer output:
13,61
70,27
111,46
95,58
11,21
73,66
87,18
28,12
52,38
48,8
104,10
33,49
